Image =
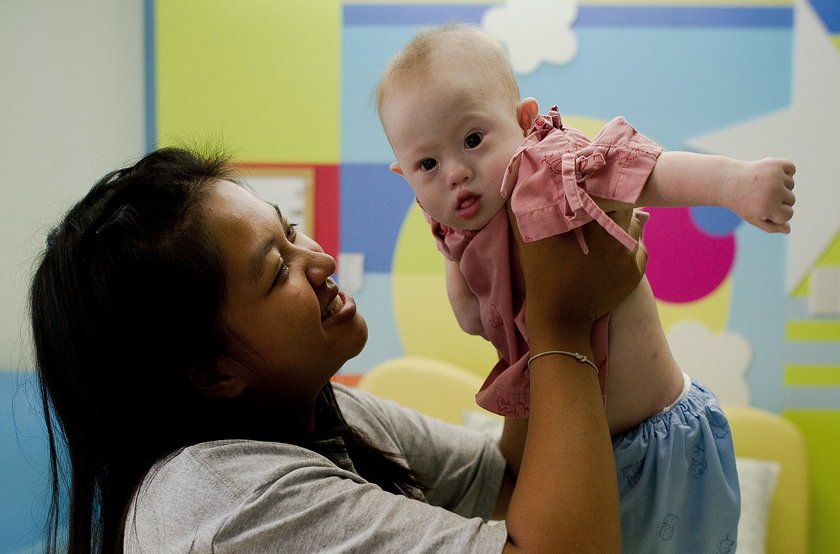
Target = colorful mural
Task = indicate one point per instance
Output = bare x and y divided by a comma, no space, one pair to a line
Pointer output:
745,79
289,85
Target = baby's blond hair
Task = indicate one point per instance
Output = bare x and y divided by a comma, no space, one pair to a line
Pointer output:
464,44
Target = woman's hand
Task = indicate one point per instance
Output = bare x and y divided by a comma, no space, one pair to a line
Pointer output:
568,290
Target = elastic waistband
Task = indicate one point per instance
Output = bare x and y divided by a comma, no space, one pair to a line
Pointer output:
681,397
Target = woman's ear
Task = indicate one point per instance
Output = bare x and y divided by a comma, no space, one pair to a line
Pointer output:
527,110
223,378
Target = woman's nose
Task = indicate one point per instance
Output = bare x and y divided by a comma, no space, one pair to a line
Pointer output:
320,266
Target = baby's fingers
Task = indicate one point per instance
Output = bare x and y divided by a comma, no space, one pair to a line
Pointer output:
789,169
788,198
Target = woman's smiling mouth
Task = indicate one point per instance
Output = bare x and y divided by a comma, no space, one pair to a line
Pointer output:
335,304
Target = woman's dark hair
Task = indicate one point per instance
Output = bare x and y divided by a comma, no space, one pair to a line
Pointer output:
125,301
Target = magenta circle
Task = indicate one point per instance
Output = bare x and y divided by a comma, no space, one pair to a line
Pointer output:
685,263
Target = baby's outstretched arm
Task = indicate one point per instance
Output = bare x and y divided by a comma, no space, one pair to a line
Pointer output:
761,191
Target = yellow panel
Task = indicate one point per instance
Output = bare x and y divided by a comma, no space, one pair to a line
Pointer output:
831,256
712,309
815,330
803,288
261,76
812,375
428,327
589,126
820,429
415,252
424,316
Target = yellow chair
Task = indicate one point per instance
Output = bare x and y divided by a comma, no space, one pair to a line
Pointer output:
763,435
430,386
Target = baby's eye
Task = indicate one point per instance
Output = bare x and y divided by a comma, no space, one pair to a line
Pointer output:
473,140
428,164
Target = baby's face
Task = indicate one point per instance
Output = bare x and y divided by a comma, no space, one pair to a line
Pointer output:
453,143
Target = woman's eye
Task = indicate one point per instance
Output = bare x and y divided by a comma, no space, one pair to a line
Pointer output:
291,233
281,275
428,164
473,140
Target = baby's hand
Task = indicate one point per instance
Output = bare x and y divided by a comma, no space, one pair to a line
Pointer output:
761,192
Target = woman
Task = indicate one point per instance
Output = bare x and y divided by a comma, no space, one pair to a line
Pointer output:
185,336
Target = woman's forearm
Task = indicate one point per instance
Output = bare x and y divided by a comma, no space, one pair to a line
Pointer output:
566,497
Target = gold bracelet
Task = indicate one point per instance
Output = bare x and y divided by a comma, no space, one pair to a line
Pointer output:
576,355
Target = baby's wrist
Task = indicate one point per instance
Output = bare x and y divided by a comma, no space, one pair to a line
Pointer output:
731,174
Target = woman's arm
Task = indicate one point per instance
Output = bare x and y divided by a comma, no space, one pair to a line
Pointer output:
566,497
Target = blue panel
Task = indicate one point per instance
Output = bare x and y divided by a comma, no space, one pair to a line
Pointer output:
812,353
684,16
829,12
406,14
672,84
716,221
374,202
758,310
375,303
24,459
365,53
670,16
150,73
812,398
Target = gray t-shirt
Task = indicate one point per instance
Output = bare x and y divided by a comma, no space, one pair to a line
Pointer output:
250,496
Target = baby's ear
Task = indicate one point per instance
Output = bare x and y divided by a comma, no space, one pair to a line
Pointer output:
528,110
395,167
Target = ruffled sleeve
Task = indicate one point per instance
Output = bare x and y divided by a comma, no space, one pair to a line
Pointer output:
553,176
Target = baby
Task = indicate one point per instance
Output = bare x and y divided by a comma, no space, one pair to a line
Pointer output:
467,145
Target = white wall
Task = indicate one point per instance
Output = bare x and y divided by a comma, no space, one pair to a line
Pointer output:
71,109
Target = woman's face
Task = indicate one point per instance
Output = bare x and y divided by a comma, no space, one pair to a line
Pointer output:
291,328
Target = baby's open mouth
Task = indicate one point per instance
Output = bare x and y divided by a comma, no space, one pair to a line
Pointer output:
466,201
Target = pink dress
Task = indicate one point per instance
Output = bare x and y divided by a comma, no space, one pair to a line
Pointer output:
550,179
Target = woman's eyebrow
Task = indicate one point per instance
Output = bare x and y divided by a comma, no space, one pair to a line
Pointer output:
282,217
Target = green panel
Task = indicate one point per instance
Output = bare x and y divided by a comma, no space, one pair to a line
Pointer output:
812,375
813,330
262,76
820,429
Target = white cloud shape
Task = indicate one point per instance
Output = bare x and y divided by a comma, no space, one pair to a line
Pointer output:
534,31
719,361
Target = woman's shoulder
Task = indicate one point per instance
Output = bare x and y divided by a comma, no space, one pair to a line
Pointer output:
235,468
383,421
